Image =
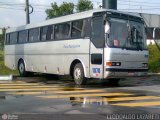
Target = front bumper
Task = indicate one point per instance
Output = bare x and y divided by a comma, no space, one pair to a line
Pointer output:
123,73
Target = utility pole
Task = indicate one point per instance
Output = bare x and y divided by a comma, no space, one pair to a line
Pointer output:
27,12
109,4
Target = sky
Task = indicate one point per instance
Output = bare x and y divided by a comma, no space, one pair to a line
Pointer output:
12,12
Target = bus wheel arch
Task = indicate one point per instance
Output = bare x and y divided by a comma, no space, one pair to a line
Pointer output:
73,64
77,72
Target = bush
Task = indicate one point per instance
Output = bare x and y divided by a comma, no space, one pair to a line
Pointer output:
1,42
3,69
154,59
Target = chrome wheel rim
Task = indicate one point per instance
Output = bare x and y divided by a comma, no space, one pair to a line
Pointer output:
21,68
77,74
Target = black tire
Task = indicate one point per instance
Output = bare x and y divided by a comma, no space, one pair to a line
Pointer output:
78,74
22,69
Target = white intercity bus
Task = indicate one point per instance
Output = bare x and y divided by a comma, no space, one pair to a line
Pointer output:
100,43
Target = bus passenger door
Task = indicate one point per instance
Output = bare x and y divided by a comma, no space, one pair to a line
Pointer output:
97,47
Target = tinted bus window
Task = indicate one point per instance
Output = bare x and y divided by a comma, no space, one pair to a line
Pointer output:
87,28
23,36
81,28
13,38
47,33
34,35
44,33
77,29
98,32
62,31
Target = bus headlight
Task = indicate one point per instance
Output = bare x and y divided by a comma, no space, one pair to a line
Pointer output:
113,63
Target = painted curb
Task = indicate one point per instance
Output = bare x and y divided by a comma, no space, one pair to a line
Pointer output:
6,78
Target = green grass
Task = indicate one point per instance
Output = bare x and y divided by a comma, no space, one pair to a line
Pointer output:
3,69
154,59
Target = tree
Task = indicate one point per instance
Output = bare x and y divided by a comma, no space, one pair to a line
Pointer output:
1,41
63,9
2,37
84,5
68,8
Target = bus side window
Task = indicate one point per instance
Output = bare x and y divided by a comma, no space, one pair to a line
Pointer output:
13,38
43,35
86,32
50,33
34,35
62,31
77,29
23,36
81,28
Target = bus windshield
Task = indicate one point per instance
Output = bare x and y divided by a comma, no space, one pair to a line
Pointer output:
126,34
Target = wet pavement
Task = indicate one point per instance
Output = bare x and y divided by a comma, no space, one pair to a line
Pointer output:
47,97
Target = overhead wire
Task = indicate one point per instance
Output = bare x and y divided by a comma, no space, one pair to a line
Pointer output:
20,6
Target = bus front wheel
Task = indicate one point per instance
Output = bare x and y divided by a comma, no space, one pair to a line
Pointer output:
22,69
78,74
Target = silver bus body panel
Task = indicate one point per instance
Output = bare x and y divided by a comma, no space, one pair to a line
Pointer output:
56,57
100,67
53,57
131,62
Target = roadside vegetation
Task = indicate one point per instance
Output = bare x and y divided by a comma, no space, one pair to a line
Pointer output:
4,70
154,59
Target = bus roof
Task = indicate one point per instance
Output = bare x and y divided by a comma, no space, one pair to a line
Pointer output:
67,18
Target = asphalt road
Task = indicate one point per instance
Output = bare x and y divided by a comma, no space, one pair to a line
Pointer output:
49,98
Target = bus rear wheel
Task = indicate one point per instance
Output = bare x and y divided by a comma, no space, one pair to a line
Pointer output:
78,74
22,69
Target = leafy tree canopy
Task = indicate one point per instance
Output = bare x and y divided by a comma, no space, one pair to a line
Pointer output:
68,8
63,9
84,5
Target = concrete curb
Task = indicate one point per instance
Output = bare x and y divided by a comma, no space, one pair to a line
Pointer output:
6,78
